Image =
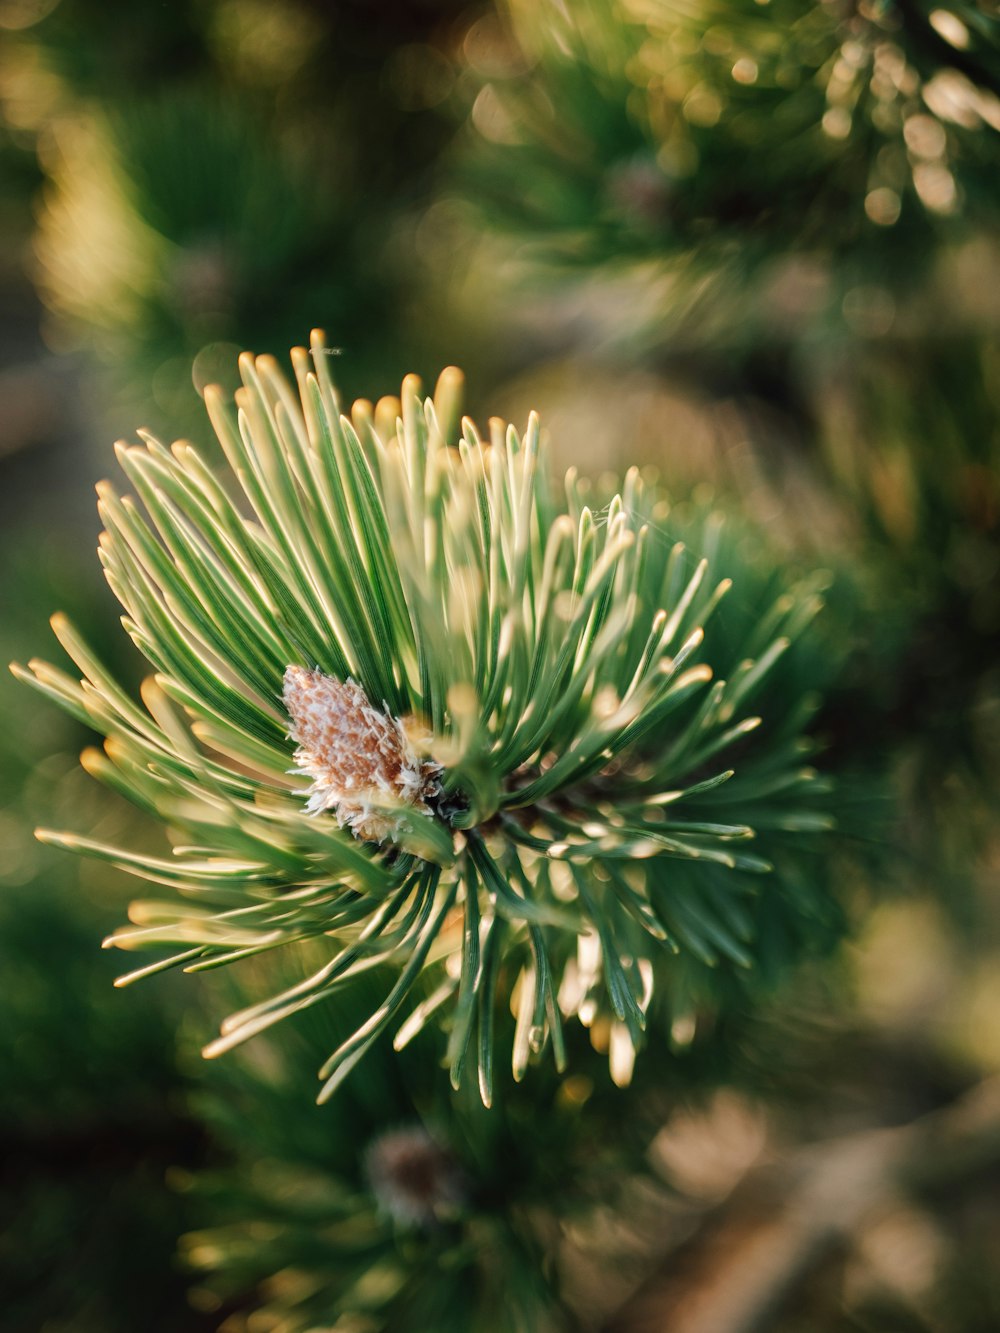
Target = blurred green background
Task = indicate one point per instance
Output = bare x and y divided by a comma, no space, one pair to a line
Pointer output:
754,245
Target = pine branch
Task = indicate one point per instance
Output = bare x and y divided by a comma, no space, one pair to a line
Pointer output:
534,732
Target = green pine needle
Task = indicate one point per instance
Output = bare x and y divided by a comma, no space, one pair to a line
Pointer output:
587,780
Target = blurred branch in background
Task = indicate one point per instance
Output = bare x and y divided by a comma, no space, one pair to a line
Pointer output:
741,1272
216,171
722,145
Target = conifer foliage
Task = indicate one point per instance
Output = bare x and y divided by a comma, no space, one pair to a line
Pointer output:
540,770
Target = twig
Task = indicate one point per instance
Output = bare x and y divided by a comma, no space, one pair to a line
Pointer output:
756,1249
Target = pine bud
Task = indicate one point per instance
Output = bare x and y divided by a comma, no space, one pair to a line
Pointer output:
361,761
414,1178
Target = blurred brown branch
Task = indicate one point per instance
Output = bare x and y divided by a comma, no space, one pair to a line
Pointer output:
752,1253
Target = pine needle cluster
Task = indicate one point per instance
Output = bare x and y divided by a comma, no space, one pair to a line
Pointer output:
540,773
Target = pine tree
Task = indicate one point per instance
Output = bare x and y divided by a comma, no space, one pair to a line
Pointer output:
499,764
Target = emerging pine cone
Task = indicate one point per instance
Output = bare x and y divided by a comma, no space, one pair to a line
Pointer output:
361,761
594,731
